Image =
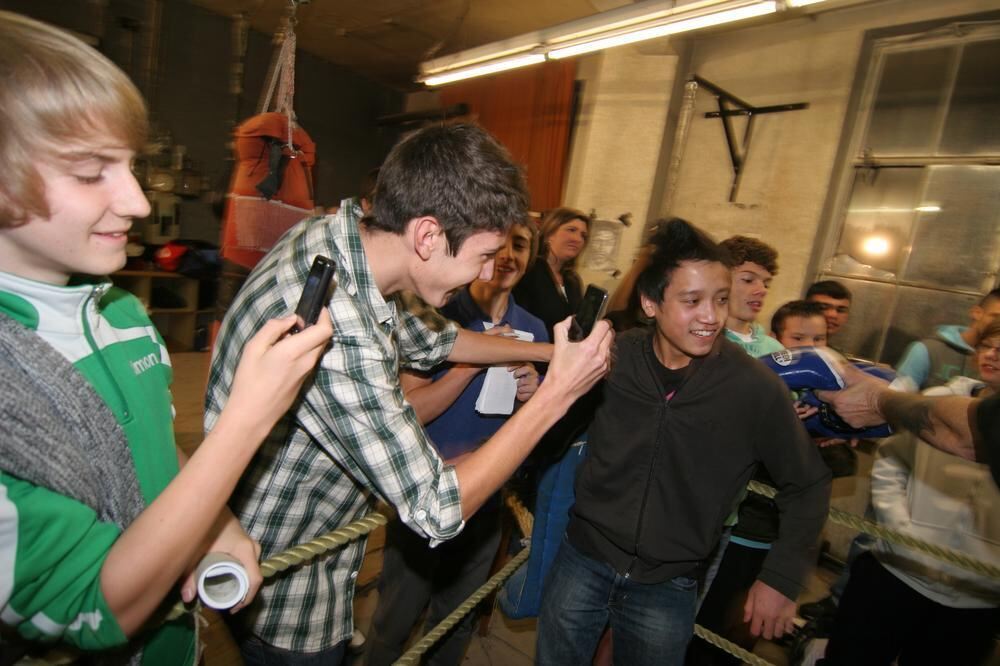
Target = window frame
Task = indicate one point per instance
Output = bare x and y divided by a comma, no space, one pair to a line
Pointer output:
853,155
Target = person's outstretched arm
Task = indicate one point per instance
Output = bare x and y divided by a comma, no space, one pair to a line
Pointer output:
485,349
574,369
150,556
431,398
622,298
943,421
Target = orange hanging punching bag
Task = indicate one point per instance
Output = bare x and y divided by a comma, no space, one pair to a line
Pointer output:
272,186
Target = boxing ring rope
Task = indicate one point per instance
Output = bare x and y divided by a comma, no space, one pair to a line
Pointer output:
339,537
898,538
304,552
413,655
330,541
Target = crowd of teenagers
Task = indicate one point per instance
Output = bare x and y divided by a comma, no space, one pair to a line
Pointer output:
441,278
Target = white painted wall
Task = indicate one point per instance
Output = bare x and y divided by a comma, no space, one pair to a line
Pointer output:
618,140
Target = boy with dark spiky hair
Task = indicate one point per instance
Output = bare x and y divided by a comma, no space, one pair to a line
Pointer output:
679,425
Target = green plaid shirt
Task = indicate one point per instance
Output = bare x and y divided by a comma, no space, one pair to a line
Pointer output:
351,437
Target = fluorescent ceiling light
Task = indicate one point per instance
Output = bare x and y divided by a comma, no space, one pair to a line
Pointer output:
627,25
670,27
521,45
484,69
923,208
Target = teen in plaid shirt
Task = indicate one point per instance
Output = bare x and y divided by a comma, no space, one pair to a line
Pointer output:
445,199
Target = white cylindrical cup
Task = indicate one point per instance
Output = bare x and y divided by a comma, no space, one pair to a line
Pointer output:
222,581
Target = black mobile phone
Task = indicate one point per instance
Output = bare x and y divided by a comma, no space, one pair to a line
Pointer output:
591,310
315,293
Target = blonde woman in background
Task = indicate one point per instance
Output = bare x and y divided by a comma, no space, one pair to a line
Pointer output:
551,290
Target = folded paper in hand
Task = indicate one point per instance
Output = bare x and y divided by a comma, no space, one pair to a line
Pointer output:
500,388
223,581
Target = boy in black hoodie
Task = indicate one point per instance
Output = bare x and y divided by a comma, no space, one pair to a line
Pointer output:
680,425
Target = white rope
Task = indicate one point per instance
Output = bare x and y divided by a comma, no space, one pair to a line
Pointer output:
283,78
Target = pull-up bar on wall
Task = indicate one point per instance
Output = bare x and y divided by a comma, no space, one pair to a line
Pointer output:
730,105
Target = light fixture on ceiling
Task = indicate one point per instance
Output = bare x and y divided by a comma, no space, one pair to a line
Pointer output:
670,26
625,25
491,67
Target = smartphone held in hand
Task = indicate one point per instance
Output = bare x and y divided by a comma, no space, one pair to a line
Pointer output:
315,293
595,300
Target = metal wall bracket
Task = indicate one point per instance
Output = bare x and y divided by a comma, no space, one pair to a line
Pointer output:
730,105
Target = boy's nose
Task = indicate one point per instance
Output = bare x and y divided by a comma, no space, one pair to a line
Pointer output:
487,271
131,200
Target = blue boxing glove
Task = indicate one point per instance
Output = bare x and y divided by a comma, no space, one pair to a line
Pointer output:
806,369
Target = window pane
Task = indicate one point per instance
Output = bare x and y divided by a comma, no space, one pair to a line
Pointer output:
918,313
957,246
909,102
972,126
877,226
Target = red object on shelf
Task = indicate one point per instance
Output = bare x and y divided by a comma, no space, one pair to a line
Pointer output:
168,257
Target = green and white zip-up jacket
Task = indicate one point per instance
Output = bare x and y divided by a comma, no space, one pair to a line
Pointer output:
52,547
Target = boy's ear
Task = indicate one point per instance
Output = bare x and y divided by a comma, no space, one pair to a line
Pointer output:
976,313
648,306
427,235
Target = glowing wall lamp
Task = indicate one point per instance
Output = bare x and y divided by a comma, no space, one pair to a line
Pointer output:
876,246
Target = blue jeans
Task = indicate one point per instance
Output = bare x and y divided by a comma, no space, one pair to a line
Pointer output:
651,623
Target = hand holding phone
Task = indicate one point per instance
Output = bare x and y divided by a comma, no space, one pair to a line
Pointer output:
315,293
591,309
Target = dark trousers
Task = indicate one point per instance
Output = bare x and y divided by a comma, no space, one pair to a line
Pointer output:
415,576
722,609
256,652
881,619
